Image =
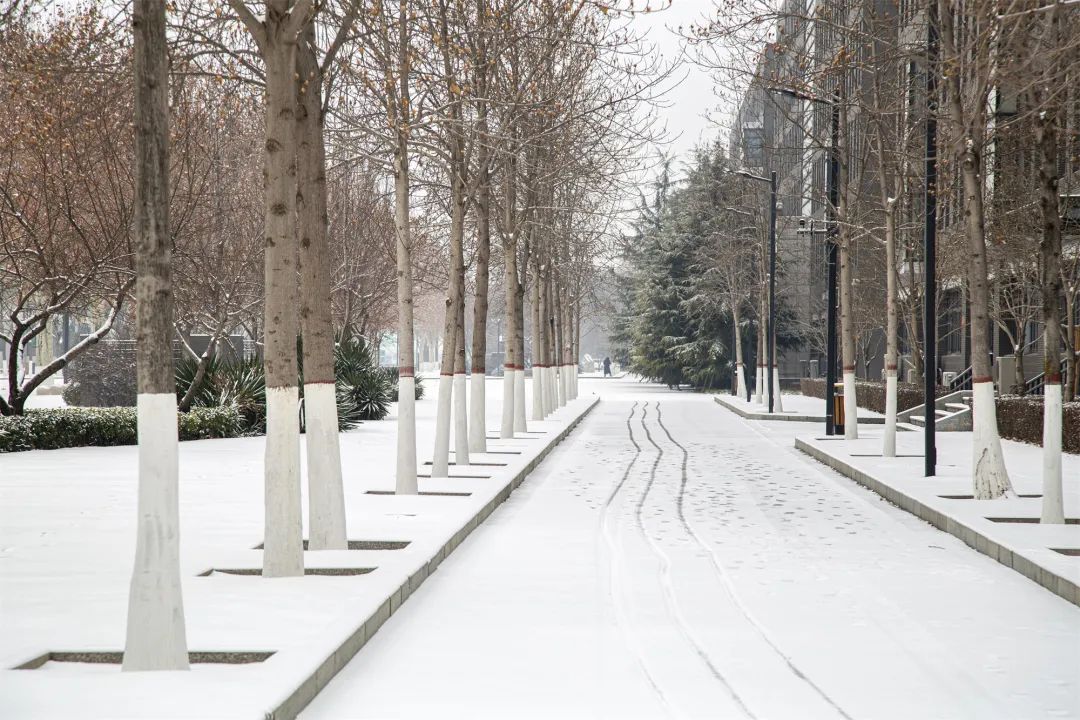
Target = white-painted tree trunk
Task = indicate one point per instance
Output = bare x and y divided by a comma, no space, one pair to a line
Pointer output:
520,425
406,436
740,381
577,387
283,550
477,408
537,392
156,636
888,448
461,421
550,393
326,496
851,419
991,479
1053,504
440,461
759,383
778,404
506,427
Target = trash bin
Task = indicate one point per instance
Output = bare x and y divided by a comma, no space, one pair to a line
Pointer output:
838,407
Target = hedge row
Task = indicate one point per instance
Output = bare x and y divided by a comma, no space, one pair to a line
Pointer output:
871,395
77,427
1021,418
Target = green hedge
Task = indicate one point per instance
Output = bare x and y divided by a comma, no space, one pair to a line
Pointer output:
871,395
1021,418
77,427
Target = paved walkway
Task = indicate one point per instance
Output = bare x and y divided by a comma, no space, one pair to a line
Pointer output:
673,560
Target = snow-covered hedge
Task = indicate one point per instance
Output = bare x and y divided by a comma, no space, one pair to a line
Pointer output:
76,427
871,395
1021,418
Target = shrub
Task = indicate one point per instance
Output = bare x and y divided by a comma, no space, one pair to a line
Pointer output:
871,395
78,427
102,376
393,376
370,394
1021,418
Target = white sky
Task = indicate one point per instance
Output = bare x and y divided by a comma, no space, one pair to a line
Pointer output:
693,98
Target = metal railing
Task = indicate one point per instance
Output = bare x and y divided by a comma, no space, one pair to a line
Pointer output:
962,381
1037,384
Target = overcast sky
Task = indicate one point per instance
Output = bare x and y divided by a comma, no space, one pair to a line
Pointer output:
693,98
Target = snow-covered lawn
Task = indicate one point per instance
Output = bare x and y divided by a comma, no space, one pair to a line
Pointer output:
757,584
67,530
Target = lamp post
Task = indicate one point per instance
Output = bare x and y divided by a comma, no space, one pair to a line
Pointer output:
930,250
770,333
833,191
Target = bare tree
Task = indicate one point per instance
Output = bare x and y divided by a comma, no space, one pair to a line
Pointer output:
156,638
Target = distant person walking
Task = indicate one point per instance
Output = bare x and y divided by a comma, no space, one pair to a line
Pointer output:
607,367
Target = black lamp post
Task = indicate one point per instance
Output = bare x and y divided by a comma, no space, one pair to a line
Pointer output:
770,333
930,249
834,199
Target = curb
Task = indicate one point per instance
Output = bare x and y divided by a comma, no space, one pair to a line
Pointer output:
787,416
971,536
299,698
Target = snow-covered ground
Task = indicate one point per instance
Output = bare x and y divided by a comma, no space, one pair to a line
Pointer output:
1049,553
673,560
67,531
794,404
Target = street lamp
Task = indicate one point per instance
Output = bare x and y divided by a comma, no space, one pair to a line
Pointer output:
770,336
834,199
930,251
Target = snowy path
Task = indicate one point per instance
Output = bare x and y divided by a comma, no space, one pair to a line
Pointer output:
672,560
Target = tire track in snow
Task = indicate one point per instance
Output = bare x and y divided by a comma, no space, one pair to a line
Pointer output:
665,575
613,567
726,579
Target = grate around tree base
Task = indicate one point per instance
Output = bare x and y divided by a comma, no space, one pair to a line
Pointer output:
114,657
422,492
307,571
364,545
1071,552
476,464
972,497
459,477
1068,521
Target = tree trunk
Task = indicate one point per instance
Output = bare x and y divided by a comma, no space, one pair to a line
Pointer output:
511,360
539,333
440,463
283,553
989,477
892,340
156,636
847,318
326,494
406,483
1046,134
520,424
461,410
740,372
478,408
